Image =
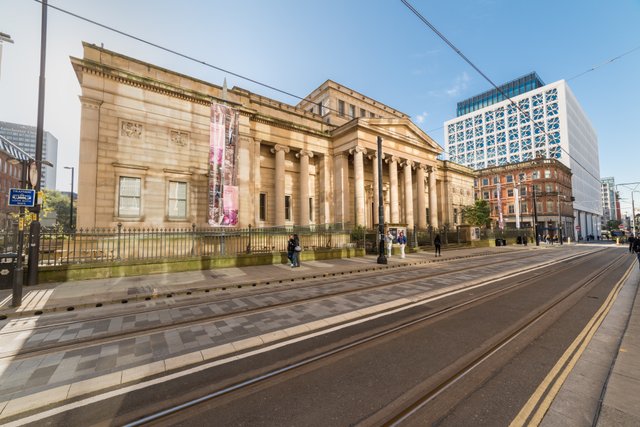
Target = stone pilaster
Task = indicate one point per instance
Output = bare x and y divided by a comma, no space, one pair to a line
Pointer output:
408,194
304,157
358,167
88,171
376,204
422,205
433,198
393,181
279,151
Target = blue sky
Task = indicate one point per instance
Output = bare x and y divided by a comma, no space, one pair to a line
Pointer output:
376,47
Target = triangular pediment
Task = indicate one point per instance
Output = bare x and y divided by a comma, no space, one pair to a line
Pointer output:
401,130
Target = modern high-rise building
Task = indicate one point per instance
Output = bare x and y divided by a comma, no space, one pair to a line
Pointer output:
25,137
609,199
539,121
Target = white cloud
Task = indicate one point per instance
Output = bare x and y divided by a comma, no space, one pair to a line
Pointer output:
460,84
420,118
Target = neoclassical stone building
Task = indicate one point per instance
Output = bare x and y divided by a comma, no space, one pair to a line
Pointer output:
144,154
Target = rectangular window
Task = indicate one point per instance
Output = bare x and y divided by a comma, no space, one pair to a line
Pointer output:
485,181
129,197
352,111
510,192
363,112
310,209
340,108
496,179
263,206
177,199
485,195
509,178
523,208
512,209
287,208
547,173
535,175
371,114
549,188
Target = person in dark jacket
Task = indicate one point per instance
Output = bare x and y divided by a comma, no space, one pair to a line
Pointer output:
291,249
437,243
631,242
636,249
295,259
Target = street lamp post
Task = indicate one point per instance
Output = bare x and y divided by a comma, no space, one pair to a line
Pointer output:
71,197
382,259
18,276
34,228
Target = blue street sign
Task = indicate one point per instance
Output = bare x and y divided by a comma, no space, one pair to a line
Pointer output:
22,197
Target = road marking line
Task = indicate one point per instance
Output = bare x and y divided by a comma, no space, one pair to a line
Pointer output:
561,370
298,333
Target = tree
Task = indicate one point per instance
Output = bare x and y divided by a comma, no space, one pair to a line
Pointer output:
55,201
478,214
613,224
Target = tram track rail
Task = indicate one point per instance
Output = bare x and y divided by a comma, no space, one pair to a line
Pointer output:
421,273
397,417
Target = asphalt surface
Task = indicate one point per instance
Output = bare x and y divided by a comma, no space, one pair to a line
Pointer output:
142,357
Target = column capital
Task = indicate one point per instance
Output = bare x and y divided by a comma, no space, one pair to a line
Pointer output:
304,153
90,102
432,168
409,163
355,150
391,159
279,147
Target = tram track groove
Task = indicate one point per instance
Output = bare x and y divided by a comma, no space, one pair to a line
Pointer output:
116,336
486,353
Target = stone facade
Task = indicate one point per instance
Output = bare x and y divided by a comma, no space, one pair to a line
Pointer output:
145,138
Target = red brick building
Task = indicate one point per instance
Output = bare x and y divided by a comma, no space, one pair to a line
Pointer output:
511,189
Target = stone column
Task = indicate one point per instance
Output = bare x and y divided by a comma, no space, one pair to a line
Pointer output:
326,190
358,167
376,205
408,194
433,198
257,180
422,205
304,157
279,151
393,181
341,187
88,171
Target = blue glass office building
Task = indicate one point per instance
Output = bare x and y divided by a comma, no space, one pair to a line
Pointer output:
513,88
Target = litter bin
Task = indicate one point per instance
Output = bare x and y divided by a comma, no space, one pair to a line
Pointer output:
504,242
498,242
519,240
7,269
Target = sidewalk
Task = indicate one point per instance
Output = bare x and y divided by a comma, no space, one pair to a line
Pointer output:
619,406
88,293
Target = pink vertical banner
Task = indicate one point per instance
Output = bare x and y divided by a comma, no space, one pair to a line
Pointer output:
223,192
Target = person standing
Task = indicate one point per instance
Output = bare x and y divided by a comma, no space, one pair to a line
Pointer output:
296,251
631,242
402,240
636,248
437,243
388,240
291,249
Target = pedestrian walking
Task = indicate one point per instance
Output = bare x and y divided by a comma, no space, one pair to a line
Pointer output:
636,248
296,251
631,242
402,240
437,243
291,249
388,240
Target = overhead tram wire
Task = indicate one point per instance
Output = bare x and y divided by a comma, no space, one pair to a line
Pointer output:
604,63
468,61
193,59
182,55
